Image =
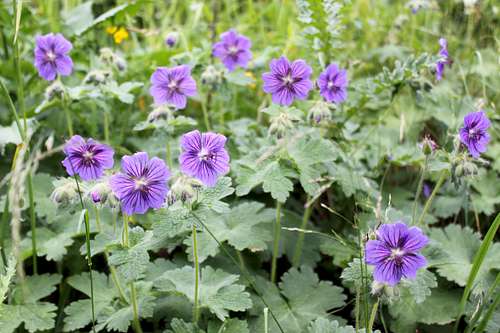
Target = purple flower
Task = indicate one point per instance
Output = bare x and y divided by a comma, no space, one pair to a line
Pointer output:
233,50
51,56
474,134
445,59
332,84
426,190
287,81
395,253
204,156
142,185
87,158
172,85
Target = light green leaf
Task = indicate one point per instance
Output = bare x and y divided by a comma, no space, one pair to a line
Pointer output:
36,317
229,326
36,287
219,291
180,326
323,325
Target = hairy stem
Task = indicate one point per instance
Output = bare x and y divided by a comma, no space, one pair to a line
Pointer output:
373,314
135,308
67,113
196,275
276,246
419,189
439,183
300,241
33,222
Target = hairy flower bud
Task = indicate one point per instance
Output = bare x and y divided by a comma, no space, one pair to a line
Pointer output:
428,145
183,189
65,191
97,77
55,90
160,112
320,113
171,38
281,124
211,76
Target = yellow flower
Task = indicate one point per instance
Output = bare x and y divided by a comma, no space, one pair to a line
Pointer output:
119,34
250,75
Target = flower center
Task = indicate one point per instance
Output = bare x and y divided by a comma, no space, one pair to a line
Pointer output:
287,80
51,56
172,84
397,254
140,183
330,84
205,155
88,155
233,50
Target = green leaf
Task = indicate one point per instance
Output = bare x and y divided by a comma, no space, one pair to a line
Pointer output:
79,314
452,252
132,261
228,326
5,279
292,303
245,226
36,287
439,308
79,19
323,325
219,291
104,288
122,92
273,176
239,78
180,326
36,317
421,286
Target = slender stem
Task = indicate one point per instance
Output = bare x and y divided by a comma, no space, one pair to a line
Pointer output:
356,307
276,246
372,316
486,318
112,269
204,106
135,308
87,241
33,222
12,108
245,274
67,113
3,230
419,188
381,314
125,231
20,83
168,154
300,241
439,183
196,275
266,320
106,127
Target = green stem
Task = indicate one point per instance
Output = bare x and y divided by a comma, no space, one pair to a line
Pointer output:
300,241
33,222
266,320
112,269
381,314
106,127
478,313
3,230
482,324
356,307
372,316
125,231
419,189
87,242
135,308
442,178
476,265
12,108
67,113
204,106
196,275
168,154
276,246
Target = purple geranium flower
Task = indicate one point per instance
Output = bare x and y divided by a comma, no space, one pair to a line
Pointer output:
172,85
332,84
204,156
51,56
233,50
395,253
474,134
287,81
142,185
445,58
87,158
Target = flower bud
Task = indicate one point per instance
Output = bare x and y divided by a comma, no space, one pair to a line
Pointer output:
171,39
65,191
428,145
100,192
320,113
96,197
281,124
183,189
211,76
55,90
160,112
97,77
49,143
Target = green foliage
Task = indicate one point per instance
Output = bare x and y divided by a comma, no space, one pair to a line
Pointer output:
219,292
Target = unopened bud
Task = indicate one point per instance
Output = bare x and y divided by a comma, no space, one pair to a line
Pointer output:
55,90
320,113
171,39
211,76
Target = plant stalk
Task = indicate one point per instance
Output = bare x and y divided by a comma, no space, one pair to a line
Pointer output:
428,203
300,241
135,308
419,189
33,222
373,314
196,276
276,245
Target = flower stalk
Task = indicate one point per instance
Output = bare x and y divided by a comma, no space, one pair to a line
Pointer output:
196,275
300,242
442,178
276,244
419,188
